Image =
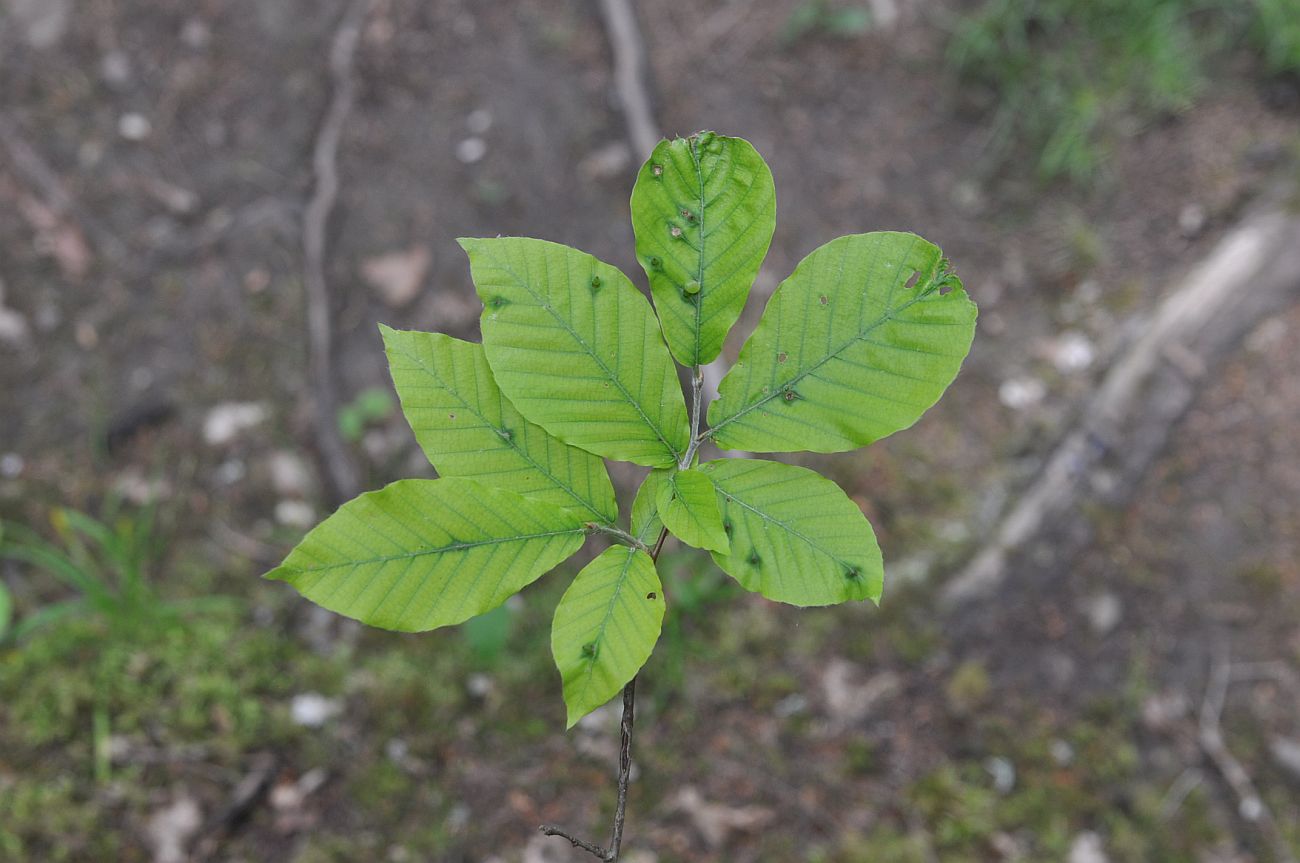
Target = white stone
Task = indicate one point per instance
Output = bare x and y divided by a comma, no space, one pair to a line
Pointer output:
1087,848
1022,393
11,465
295,513
13,328
196,34
134,127
227,420
170,829
115,67
471,150
1072,352
312,710
290,475
1104,612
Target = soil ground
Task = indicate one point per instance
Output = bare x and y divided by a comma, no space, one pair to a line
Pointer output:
164,282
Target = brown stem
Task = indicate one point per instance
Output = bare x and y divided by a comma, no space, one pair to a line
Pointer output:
610,854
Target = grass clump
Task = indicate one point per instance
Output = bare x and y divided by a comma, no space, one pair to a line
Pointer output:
1065,77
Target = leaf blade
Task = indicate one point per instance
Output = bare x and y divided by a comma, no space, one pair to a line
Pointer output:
704,208
688,505
421,553
646,522
576,348
795,536
467,427
606,627
846,353
6,611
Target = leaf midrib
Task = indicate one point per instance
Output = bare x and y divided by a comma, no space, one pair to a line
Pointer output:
699,272
860,336
799,534
454,547
609,614
595,356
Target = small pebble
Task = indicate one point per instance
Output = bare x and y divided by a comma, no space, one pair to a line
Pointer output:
295,513
134,127
196,34
115,68
226,421
1072,352
11,465
1022,393
312,710
471,150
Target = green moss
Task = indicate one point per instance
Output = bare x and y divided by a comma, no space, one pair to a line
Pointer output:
968,688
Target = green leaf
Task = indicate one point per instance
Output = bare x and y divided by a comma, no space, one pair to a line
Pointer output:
795,536
424,553
646,523
688,505
606,626
846,351
703,209
6,610
577,349
467,428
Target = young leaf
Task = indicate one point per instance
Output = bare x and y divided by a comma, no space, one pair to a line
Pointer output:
467,428
577,349
846,351
646,523
688,505
795,536
424,553
703,209
606,626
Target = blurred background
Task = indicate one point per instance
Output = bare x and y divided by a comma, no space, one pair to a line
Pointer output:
1089,647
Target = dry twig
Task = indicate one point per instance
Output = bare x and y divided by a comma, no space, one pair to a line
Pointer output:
630,74
1250,805
340,469
1253,272
610,854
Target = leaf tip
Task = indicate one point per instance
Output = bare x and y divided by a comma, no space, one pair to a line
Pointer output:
574,716
280,573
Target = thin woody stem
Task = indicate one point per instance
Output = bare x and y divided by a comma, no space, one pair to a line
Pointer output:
697,395
610,855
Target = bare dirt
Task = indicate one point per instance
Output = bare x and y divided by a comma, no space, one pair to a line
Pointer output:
156,271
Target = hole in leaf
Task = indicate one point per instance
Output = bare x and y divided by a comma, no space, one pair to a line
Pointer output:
451,416
657,170
781,357
823,299
652,595
912,280
789,395
853,573
726,526
595,283
754,559
589,650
